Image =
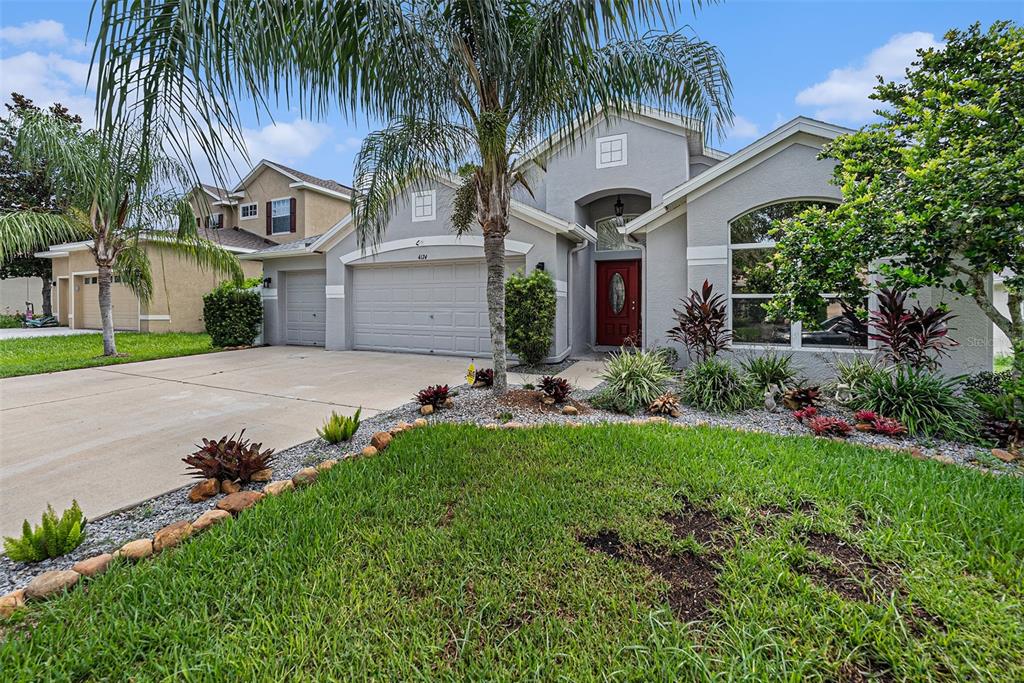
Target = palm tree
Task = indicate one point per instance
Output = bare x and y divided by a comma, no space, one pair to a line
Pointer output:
462,84
120,196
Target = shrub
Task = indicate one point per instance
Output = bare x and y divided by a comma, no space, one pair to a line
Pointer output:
340,428
1003,413
801,397
637,376
484,376
54,538
701,324
924,403
769,370
433,396
229,458
825,425
716,386
557,388
612,401
851,374
986,382
233,315
666,404
529,315
916,337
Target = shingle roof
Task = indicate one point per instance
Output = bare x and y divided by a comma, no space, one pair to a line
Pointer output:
234,237
313,180
218,192
297,246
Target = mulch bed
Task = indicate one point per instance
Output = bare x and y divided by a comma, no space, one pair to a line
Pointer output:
532,400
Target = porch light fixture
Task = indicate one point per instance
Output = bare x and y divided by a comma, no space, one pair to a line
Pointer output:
266,282
618,207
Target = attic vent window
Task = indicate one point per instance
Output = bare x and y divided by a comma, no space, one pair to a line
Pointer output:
424,206
611,151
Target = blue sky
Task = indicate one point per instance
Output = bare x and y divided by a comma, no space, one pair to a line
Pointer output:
816,58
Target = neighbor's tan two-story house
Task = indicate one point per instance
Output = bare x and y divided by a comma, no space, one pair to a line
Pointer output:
272,205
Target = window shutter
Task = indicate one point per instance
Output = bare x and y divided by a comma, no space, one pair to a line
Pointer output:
270,220
199,222
291,212
207,220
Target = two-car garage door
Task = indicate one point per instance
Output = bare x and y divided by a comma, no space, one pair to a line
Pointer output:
423,307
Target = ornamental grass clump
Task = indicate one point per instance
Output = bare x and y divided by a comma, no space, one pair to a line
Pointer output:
339,428
634,379
770,370
717,387
55,537
924,403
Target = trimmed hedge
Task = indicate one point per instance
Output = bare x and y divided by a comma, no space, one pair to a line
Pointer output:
233,316
530,315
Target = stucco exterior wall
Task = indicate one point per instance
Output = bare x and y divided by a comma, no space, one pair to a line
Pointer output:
322,211
664,279
15,291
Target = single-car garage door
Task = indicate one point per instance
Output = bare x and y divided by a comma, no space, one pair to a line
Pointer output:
124,304
423,308
305,307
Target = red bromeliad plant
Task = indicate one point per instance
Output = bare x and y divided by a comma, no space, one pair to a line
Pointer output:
557,388
433,396
701,324
805,413
824,425
865,416
917,336
887,426
229,458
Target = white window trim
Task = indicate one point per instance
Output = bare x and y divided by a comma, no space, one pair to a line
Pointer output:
242,208
272,216
209,221
433,206
611,164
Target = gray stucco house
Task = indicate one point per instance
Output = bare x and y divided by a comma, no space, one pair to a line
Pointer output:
627,217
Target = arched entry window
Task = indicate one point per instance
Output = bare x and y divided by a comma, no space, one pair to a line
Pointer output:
750,251
608,236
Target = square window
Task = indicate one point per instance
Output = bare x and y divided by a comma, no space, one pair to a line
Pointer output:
611,151
249,210
215,221
423,206
281,216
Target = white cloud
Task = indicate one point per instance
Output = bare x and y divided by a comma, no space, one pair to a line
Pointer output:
48,78
349,144
743,129
843,96
285,142
43,33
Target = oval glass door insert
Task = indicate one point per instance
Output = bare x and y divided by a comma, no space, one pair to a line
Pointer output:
617,293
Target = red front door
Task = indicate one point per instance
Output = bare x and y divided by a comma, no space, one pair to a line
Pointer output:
618,302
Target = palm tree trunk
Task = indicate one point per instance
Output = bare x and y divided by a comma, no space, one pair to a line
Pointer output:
106,279
494,254
47,305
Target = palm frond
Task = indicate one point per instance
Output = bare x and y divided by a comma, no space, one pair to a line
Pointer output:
206,255
135,270
24,232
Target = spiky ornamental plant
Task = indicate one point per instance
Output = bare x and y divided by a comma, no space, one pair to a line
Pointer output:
468,84
557,388
339,428
55,537
229,458
702,324
435,395
916,336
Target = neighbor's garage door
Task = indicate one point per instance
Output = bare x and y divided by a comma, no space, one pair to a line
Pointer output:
306,307
125,306
424,308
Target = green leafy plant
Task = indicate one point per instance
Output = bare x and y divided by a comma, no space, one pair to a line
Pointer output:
987,382
638,377
924,403
435,395
769,370
530,315
229,458
1002,412
717,387
339,428
557,388
233,315
612,401
55,537
851,374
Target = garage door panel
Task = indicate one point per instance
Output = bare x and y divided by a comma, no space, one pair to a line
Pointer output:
306,307
432,308
124,304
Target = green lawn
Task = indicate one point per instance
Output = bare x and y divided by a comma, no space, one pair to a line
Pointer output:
457,555
49,354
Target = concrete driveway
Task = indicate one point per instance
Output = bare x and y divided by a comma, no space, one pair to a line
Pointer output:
32,332
110,437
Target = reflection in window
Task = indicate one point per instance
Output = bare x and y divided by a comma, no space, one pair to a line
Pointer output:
617,293
751,325
281,215
608,236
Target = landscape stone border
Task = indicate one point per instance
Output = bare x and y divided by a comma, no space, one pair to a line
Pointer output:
56,582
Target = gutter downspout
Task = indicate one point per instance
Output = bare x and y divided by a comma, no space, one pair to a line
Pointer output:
569,287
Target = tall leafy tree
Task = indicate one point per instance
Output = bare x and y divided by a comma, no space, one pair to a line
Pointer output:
933,193
461,84
120,195
24,184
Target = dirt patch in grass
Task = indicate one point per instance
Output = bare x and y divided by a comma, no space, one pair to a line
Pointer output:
706,527
448,515
862,672
532,400
850,567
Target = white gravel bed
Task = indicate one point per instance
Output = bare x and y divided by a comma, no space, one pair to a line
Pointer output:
474,406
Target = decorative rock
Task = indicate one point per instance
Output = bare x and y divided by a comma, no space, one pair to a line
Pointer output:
380,440
944,459
228,486
368,452
675,413
171,535
657,419
491,425
917,453
50,583
449,402
208,519
419,422
305,476
93,566
136,550
1005,456
236,502
570,410
512,424
12,602
277,487
204,490
426,410
548,401
326,465
265,474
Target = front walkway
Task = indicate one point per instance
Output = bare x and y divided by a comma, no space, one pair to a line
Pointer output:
113,436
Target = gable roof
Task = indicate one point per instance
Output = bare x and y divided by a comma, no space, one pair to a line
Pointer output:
299,180
235,238
749,154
